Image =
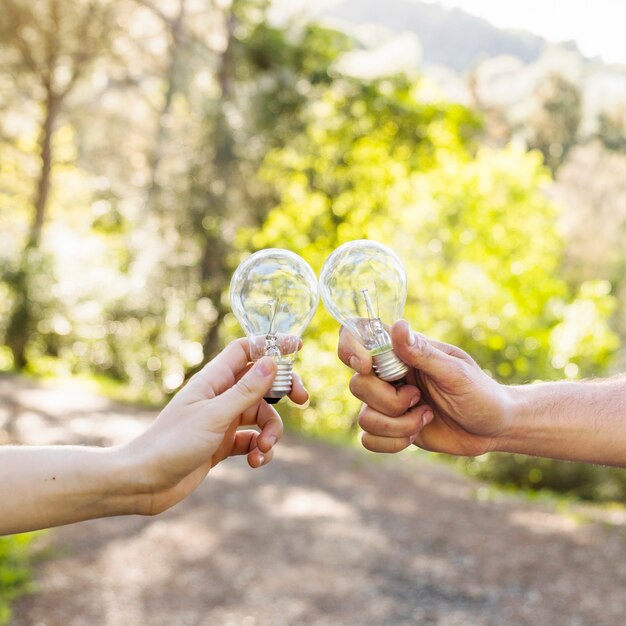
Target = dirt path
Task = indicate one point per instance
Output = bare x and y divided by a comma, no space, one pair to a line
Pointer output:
322,536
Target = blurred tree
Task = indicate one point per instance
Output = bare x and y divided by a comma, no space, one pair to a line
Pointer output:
554,125
476,234
592,189
612,129
264,80
176,28
497,129
190,97
169,138
49,47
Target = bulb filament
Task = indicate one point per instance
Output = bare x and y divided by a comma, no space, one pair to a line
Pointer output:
271,340
368,305
375,323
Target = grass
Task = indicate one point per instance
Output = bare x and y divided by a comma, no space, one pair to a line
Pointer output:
15,570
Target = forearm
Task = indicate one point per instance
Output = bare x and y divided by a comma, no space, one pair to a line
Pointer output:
53,485
577,421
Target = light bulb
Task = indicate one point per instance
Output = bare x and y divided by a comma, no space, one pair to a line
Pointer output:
274,294
364,287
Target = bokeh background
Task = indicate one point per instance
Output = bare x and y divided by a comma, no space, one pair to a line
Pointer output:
147,146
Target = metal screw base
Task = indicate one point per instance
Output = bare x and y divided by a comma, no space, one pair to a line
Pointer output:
282,382
389,367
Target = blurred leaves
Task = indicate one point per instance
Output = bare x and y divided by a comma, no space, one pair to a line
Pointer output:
195,133
474,230
15,573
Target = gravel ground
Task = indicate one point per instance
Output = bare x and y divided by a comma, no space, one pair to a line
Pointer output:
323,536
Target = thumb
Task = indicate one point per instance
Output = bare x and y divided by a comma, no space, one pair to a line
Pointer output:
248,390
416,350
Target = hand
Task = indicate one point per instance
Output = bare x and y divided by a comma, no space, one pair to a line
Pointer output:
199,427
448,404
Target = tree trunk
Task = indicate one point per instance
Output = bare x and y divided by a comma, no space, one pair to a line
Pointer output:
177,34
20,325
19,328
53,102
214,266
213,272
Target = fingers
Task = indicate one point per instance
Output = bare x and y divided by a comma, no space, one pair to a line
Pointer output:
383,433
271,427
298,393
221,372
228,367
246,442
382,396
257,459
454,351
244,394
422,353
377,423
352,353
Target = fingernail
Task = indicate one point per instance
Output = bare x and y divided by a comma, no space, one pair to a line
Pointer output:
261,459
355,363
414,400
265,367
272,440
427,418
412,438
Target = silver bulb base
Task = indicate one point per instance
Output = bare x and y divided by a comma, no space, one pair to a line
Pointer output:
282,383
389,367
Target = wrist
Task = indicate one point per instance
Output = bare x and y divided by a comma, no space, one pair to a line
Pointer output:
519,426
129,490
515,414
148,471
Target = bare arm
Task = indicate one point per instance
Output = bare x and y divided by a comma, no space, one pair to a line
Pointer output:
53,485
463,411
576,421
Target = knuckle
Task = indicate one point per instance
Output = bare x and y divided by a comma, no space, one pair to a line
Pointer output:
397,407
407,428
244,388
343,354
356,387
399,444
368,442
465,372
353,384
365,419
425,347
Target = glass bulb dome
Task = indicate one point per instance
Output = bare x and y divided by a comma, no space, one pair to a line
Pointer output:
274,295
364,287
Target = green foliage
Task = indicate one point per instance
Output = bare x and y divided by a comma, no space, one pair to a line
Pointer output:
15,571
194,137
590,482
473,229
33,301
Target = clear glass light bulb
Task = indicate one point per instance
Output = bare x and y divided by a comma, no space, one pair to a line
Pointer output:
274,295
364,287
